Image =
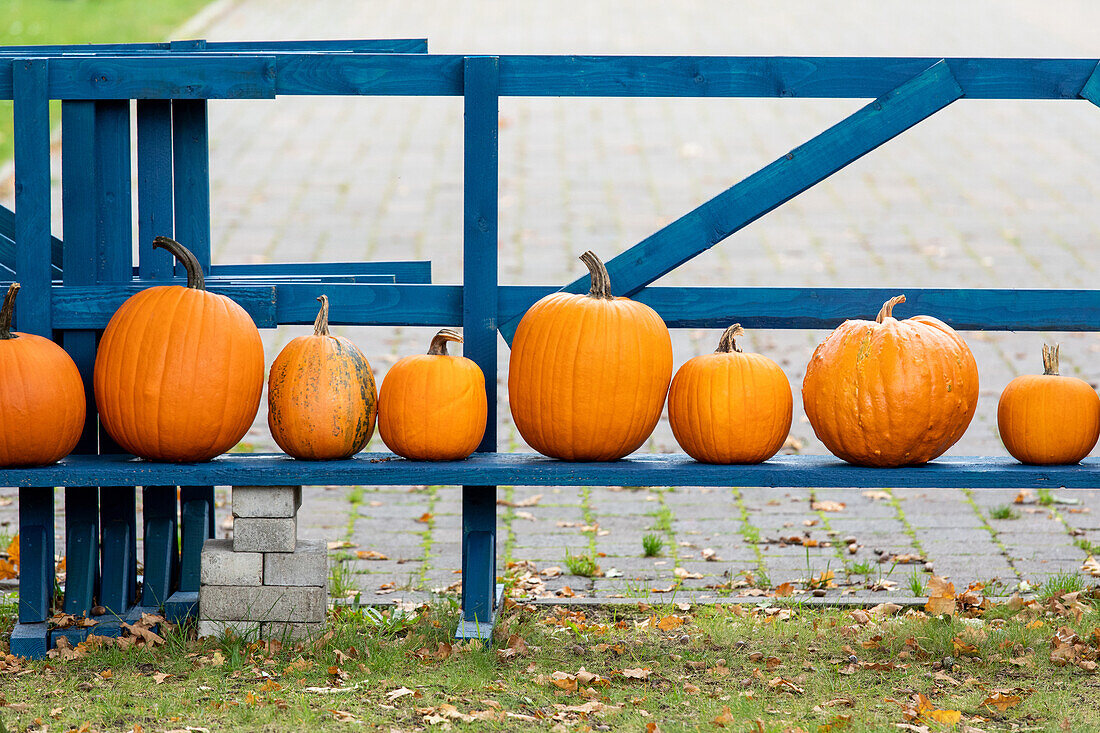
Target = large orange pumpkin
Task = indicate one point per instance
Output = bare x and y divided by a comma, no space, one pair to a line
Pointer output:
433,407
729,406
321,399
588,374
180,371
889,392
1048,418
42,405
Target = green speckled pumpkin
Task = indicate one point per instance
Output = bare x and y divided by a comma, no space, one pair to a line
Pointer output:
321,396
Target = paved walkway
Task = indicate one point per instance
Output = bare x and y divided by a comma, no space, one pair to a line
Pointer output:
985,194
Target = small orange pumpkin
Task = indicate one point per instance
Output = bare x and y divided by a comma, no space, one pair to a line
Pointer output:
588,374
1049,419
729,406
321,398
42,403
433,406
179,371
889,392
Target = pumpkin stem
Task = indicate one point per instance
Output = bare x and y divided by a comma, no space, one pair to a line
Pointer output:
320,323
187,259
601,281
1050,360
439,341
887,310
6,311
728,342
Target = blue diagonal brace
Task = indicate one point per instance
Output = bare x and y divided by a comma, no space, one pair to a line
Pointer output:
1091,90
738,206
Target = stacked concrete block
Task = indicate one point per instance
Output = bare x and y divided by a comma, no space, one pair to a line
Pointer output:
264,583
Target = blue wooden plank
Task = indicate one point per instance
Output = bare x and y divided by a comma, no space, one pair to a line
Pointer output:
160,541
32,196
191,166
35,553
118,548
92,306
7,243
30,641
81,549
168,76
376,74
382,305
1091,89
527,469
479,317
406,272
768,188
154,169
113,198
196,526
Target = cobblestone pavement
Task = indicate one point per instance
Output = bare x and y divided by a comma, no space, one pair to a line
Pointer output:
984,194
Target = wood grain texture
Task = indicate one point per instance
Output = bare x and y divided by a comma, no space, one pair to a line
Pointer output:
151,76
32,197
519,469
154,170
805,166
378,74
191,178
379,305
91,307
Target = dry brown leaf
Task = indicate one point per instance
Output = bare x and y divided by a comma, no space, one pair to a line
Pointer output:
725,718
668,623
827,506
640,673
941,597
425,518
783,590
370,555
1000,701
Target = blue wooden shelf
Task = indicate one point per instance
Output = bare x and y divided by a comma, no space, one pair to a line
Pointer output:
526,469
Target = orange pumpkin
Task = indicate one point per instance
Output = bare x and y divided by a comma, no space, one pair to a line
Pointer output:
889,392
433,406
588,374
321,399
1048,418
729,406
179,371
42,405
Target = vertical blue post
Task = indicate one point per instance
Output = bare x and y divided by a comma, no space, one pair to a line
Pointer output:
191,178
79,268
479,324
32,267
114,263
155,218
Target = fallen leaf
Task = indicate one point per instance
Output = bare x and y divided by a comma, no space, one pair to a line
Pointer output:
941,597
783,590
725,718
370,555
425,518
668,623
1000,701
827,506
640,673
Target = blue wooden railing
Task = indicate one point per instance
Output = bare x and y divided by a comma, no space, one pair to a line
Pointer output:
71,287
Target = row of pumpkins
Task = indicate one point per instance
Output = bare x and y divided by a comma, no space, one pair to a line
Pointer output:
179,374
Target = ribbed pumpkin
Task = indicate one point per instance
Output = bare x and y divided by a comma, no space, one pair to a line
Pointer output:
588,374
179,371
729,406
42,405
432,407
889,392
321,398
1048,418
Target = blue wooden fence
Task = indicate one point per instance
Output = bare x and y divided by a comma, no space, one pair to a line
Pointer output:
73,285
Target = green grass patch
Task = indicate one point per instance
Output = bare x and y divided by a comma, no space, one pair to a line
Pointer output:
1003,512
36,22
611,668
652,545
1060,583
583,564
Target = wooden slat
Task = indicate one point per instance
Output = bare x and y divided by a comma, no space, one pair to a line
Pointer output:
805,166
32,197
380,305
329,74
519,469
407,272
154,167
191,172
7,243
92,306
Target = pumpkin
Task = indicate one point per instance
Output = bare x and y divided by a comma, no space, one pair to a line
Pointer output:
42,404
889,392
179,371
588,374
729,406
1049,418
433,406
321,399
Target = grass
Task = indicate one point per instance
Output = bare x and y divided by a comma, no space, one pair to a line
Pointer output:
1003,512
1061,583
652,545
864,567
1045,497
916,583
582,564
787,668
27,22
1082,544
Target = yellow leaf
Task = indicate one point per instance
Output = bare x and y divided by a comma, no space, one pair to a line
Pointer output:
106,674
947,717
783,589
725,718
1001,701
668,623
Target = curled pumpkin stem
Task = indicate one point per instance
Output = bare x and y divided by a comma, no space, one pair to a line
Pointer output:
439,341
887,310
601,281
190,263
6,312
320,323
1050,360
728,342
